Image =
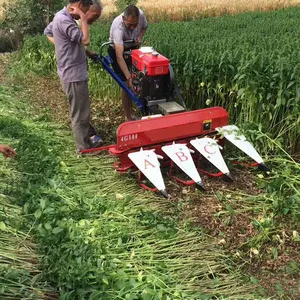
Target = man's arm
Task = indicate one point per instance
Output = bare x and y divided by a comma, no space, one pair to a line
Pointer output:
51,39
73,29
141,35
121,62
90,54
49,32
117,36
85,31
7,151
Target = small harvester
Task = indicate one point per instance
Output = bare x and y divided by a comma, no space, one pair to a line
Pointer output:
169,136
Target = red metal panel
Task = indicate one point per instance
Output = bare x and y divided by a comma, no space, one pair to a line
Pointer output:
169,128
155,65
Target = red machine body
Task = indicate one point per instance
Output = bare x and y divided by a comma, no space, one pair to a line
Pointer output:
152,64
155,132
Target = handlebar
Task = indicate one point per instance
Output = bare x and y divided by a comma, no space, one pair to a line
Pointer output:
111,43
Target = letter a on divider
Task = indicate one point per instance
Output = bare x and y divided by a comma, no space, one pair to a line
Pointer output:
147,162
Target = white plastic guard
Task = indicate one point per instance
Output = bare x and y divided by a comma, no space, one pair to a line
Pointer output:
231,133
151,117
181,156
147,162
209,148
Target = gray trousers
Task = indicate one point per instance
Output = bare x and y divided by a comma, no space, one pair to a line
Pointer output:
80,112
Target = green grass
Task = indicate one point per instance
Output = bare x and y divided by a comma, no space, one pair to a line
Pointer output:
92,242
20,269
100,235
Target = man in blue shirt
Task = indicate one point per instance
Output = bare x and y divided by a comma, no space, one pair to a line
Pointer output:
70,42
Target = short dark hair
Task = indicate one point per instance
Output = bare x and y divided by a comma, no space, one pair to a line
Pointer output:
131,11
97,5
84,2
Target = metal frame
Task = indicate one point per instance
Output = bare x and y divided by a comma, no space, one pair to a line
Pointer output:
106,62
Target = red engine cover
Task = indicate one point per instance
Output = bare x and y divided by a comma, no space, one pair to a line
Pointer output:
153,65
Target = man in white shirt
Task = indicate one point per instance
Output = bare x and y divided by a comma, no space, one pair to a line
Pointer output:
130,25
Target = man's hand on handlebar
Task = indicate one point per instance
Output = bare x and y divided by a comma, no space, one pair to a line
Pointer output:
138,41
92,56
129,82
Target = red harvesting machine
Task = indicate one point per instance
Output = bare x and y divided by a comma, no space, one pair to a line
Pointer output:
168,135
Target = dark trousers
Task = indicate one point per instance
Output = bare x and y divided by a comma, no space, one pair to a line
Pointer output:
80,112
92,130
115,65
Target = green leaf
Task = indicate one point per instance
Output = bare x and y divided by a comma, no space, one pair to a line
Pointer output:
42,203
48,226
105,280
26,208
146,296
275,253
279,288
220,195
96,295
290,84
140,276
38,214
57,230
297,239
120,241
2,226
275,203
161,227
253,280
150,291
130,297
133,282
240,92
230,209
285,211
294,265
82,222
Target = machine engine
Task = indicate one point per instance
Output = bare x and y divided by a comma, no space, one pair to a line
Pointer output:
151,78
